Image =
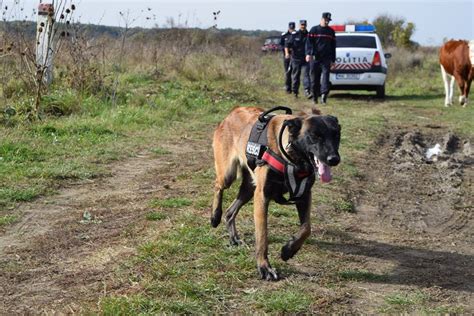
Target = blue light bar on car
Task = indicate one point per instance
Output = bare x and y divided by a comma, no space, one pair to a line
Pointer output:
365,28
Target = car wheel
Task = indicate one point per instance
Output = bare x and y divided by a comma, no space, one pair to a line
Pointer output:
381,92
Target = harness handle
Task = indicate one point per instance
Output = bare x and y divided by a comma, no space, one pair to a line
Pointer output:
287,110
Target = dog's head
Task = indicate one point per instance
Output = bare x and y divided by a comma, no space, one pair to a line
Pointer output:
317,138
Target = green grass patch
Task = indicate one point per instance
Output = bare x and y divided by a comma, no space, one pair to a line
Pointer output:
363,276
134,305
8,220
155,216
282,212
285,300
406,299
405,302
11,195
344,206
171,202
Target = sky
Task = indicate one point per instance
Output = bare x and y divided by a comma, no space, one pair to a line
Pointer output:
435,20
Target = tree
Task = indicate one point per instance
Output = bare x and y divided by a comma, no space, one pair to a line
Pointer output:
402,35
357,22
394,31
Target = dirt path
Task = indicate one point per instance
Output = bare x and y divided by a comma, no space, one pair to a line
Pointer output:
55,259
413,225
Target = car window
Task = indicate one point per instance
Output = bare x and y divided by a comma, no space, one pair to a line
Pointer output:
269,41
356,41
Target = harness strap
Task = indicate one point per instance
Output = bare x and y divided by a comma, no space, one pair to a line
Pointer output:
277,164
274,161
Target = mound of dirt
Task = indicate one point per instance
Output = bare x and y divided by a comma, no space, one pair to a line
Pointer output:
407,189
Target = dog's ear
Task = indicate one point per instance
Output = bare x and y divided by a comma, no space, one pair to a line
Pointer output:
316,111
313,111
335,120
294,126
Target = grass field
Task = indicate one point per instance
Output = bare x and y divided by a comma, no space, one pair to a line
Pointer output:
178,263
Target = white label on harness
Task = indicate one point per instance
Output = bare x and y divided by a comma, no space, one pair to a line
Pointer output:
253,149
471,52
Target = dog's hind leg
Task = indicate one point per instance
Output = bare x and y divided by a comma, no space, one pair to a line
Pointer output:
246,192
224,179
304,212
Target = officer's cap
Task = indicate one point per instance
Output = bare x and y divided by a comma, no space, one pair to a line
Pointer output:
327,16
303,22
291,25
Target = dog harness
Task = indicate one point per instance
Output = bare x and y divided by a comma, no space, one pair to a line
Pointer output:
297,180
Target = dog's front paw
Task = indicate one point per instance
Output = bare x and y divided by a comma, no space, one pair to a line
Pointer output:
267,273
286,252
215,220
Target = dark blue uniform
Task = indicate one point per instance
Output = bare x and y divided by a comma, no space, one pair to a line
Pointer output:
321,44
297,44
285,37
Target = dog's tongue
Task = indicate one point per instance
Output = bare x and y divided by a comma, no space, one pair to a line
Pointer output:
324,172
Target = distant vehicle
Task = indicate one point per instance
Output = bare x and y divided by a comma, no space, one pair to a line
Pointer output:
272,44
360,61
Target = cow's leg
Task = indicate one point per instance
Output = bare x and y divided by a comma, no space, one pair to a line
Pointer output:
462,83
451,89
467,88
445,76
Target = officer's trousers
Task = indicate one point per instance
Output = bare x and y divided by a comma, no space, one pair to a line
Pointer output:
299,66
320,70
287,68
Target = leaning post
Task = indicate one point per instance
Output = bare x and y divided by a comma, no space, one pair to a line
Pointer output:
44,42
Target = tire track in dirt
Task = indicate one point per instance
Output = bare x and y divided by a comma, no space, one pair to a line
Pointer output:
52,262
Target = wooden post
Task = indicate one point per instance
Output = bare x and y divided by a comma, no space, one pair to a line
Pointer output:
44,42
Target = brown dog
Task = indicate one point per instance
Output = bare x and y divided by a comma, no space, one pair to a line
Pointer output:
297,147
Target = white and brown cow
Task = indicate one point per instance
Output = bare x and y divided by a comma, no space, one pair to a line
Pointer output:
457,61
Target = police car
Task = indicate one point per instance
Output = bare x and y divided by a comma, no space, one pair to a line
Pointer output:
360,61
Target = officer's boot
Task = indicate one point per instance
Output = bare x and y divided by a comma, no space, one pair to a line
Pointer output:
324,98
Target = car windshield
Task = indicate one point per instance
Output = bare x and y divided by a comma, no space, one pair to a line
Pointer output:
356,41
272,41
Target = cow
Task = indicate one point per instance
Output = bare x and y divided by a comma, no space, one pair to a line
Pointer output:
456,58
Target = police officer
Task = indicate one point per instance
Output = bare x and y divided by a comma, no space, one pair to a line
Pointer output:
296,45
285,37
321,53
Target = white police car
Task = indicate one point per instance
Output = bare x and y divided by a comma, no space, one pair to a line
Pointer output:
360,61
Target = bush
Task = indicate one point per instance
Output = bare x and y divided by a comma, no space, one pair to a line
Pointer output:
406,60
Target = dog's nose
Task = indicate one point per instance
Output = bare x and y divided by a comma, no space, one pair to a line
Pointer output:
334,160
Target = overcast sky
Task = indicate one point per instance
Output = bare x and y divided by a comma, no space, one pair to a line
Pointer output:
434,19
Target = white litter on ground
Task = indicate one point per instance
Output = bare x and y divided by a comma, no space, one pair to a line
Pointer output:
435,151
